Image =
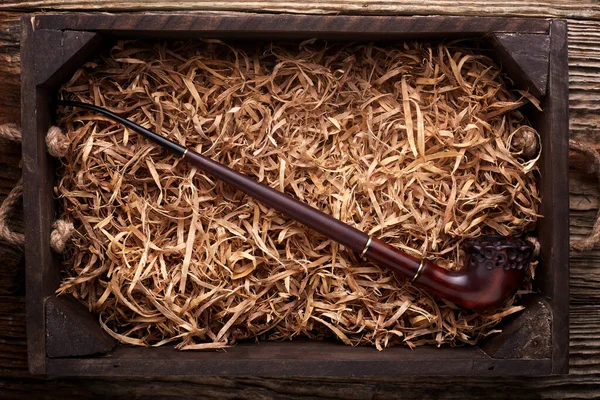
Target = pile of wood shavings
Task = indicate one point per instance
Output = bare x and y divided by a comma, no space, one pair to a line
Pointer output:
410,143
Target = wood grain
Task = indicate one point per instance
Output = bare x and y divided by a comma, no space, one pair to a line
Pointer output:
12,276
588,9
262,26
584,378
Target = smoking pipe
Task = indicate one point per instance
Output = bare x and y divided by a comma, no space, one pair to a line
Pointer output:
495,265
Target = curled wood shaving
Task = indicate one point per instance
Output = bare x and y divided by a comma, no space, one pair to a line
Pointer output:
411,143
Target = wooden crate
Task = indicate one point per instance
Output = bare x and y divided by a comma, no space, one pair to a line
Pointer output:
65,340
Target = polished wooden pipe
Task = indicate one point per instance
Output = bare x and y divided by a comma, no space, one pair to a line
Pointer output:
495,265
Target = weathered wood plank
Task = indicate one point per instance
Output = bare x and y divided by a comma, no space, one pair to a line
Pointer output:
254,25
588,9
12,277
584,81
10,106
13,350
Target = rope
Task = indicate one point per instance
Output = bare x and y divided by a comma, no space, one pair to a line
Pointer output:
526,142
57,142
593,238
10,132
58,145
16,239
62,232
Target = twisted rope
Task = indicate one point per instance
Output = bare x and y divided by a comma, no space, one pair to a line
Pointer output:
14,238
588,242
10,132
62,232
58,145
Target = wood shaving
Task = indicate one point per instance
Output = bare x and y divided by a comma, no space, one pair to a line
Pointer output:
408,142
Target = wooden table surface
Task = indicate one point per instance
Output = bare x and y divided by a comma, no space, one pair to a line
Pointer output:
584,81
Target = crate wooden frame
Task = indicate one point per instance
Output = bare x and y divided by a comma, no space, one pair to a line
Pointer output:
532,51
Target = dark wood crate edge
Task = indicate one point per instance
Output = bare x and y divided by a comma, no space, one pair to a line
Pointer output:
297,358
283,369
283,24
558,122
27,20
45,54
36,213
